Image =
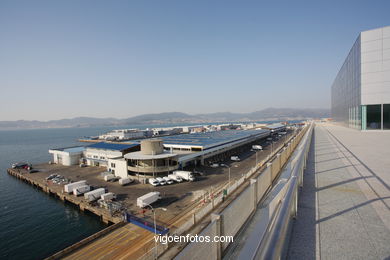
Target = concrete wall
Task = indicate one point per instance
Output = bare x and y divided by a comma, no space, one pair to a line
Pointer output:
202,250
375,66
119,166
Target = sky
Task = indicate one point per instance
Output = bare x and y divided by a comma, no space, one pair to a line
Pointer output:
64,59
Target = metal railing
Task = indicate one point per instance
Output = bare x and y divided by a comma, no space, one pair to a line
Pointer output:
274,243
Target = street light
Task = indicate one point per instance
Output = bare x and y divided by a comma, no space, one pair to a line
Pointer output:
155,227
229,171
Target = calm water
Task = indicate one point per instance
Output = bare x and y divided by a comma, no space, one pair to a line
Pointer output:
34,225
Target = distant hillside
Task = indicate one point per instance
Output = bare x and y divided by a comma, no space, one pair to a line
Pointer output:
171,117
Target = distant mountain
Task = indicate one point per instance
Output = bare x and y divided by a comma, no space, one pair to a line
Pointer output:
171,117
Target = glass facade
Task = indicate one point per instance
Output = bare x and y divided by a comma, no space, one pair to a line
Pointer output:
386,116
346,90
361,90
373,117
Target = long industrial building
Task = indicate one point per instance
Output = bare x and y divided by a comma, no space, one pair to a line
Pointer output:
361,90
164,154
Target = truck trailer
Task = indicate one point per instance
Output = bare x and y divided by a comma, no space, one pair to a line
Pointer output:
70,186
125,181
81,190
94,195
148,199
108,196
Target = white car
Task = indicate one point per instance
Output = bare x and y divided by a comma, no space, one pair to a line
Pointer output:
235,158
214,165
154,182
168,180
161,181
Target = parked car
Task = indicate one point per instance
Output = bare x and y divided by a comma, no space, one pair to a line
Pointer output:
154,182
21,165
161,181
235,158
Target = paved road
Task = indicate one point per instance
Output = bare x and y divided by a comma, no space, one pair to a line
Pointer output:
344,207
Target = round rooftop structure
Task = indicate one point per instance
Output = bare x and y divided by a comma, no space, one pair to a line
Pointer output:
152,146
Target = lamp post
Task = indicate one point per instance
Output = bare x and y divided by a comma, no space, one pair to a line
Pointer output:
228,172
155,227
229,176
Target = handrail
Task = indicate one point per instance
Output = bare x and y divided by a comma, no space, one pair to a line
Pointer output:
273,244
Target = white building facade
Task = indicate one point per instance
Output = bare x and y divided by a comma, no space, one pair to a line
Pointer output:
361,90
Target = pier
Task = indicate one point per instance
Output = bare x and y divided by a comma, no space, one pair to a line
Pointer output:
57,191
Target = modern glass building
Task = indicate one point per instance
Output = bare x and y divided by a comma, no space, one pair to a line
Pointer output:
361,90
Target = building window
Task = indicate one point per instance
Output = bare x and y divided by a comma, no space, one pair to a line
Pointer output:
386,116
102,157
113,165
95,156
374,117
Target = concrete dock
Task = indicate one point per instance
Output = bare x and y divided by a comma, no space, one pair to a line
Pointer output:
57,190
344,207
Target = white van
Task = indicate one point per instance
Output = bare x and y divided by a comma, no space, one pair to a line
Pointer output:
161,181
154,182
168,180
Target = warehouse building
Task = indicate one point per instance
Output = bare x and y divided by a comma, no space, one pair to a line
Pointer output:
275,128
361,90
98,154
67,156
194,149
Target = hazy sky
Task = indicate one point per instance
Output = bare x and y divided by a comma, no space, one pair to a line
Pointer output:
62,59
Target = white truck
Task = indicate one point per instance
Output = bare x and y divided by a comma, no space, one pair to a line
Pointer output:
81,190
70,186
148,199
175,178
94,195
185,175
257,147
109,177
108,196
125,181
